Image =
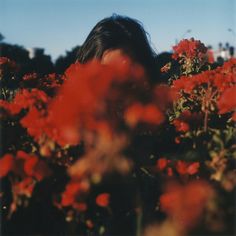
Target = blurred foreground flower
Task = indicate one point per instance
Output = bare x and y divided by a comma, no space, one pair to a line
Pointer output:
185,204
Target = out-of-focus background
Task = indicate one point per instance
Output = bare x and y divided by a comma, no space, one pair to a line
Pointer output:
49,32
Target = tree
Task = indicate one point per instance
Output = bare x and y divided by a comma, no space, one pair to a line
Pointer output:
63,62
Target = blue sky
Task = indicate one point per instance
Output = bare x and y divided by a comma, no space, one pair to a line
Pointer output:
59,25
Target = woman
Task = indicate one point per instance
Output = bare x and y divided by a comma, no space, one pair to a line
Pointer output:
116,37
117,40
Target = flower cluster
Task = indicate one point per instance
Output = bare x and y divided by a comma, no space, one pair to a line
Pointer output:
25,170
208,93
7,65
191,54
182,168
189,48
196,195
48,83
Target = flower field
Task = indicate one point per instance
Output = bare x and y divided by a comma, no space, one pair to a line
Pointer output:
100,150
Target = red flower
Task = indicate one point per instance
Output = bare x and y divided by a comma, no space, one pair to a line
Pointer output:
177,140
210,56
181,126
181,167
6,164
162,163
208,90
30,77
170,172
35,122
4,60
11,108
70,193
193,168
31,166
152,115
164,96
79,99
24,187
189,48
143,113
234,116
50,81
227,101
184,168
186,120
133,114
185,204
7,63
103,199
22,155
25,99
80,206
230,66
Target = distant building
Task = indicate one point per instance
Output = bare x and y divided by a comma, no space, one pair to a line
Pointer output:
224,53
35,52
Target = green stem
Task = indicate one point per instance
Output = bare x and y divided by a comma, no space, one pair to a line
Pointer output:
205,120
4,94
208,97
139,221
139,209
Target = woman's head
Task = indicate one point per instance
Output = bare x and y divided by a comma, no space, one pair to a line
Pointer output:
118,33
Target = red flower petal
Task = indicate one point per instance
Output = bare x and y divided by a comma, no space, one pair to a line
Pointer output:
103,199
6,163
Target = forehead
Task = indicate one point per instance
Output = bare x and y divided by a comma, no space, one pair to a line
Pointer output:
114,56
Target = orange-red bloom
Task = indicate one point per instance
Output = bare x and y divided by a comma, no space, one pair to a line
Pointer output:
70,193
183,167
181,126
149,114
185,204
227,101
189,48
6,164
103,199
162,163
